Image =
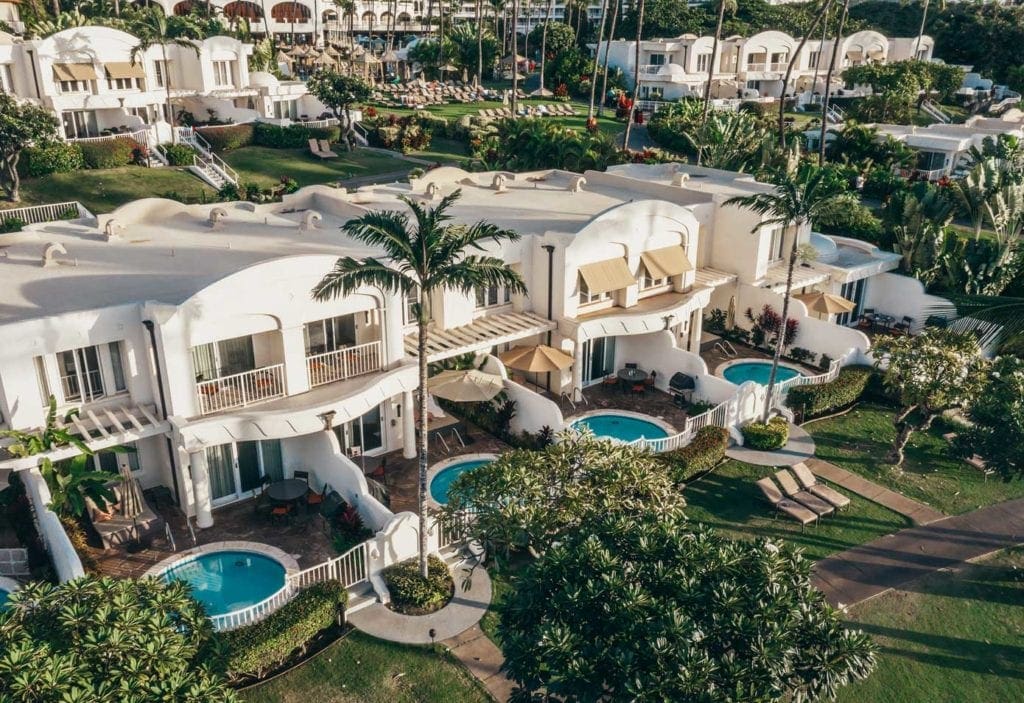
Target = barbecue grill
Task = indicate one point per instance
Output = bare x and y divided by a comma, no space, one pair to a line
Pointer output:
681,387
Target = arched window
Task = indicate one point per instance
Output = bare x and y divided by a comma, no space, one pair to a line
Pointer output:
243,8
290,12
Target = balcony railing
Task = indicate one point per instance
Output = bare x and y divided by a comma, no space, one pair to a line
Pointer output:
767,67
344,363
240,389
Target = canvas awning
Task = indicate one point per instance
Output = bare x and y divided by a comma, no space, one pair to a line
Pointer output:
124,69
606,276
666,262
74,72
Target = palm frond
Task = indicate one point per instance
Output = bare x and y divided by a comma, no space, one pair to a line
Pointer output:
387,229
1004,311
348,275
474,272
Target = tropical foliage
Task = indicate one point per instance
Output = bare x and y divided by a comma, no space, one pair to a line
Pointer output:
22,125
997,414
731,140
897,85
340,92
529,144
651,608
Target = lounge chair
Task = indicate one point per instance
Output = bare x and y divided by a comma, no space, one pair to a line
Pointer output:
810,482
116,530
325,149
806,498
314,149
783,504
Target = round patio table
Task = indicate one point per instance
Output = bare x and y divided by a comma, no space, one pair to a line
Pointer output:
288,490
632,375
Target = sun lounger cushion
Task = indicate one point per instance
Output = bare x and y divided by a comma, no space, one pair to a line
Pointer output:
792,490
790,507
810,482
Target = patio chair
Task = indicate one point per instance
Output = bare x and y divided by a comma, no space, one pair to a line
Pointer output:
632,365
639,388
650,380
325,149
806,498
314,499
380,471
610,381
314,149
259,494
281,512
301,475
783,504
904,325
810,482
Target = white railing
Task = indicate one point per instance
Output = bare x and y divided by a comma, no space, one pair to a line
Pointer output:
451,533
139,135
53,212
344,363
318,124
254,613
783,387
717,416
651,69
190,136
240,389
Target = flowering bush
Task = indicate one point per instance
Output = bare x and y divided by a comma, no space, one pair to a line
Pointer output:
766,325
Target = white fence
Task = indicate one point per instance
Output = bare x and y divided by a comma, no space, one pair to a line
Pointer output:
782,387
344,363
717,416
52,212
66,561
240,389
140,135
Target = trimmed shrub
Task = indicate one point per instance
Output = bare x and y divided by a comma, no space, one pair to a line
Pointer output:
11,224
179,154
295,136
59,157
224,138
412,594
823,398
110,153
702,454
258,649
766,435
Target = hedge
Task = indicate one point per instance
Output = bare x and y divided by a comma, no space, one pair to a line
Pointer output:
110,153
702,454
179,154
259,648
766,436
60,157
231,137
411,593
813,400
295,136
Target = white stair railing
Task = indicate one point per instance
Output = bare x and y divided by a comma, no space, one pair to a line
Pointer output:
194,139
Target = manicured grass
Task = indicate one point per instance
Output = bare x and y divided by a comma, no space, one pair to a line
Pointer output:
105,190
729,500
859,440
266,166
948,637
444,151
361,668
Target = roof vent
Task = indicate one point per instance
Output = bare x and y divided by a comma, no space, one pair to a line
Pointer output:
498,182
217,214
110,230
310,220
51,250
433,190
680,179
576,184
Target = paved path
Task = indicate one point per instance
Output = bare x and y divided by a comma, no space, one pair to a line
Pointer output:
918,513
800,447
889,562
483,659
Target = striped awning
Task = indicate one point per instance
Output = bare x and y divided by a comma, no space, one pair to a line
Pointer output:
74,72
480,335
666,262
124,69
606,276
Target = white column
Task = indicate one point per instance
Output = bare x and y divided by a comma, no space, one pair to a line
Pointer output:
577,368
296,374
201,489
696,328
408,426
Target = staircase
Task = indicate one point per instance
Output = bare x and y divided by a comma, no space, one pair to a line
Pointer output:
935,112
205,164
835,114
1009,100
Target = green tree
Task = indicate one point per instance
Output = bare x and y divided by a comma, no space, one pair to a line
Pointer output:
154,29
648,607
527,500
723,7
798,198
997,414
21,125
340,92
108,641
917,220
428,257
636,72
931,372
466,45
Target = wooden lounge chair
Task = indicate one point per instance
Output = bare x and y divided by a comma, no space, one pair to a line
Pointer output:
810,482
314,149
806,498
783,504
325,149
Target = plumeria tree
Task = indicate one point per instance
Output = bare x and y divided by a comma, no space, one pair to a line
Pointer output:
648,607
340,92
997,412
931,372
21,125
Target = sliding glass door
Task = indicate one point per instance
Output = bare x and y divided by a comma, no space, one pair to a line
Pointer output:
598,359
237,469
366,432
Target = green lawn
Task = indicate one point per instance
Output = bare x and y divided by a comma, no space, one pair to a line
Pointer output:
729,500
859,440
267,166
949,637
361,668
103,191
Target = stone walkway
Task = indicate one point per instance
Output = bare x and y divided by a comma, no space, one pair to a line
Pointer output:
918,513
800,447
483,659
889,562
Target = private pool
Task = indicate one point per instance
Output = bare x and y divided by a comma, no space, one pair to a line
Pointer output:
739,372
444,473
228,580
623,426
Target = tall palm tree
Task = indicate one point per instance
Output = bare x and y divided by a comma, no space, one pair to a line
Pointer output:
604,68
723,7
828,80
593,78
515,59
636,73
479,42
799,197
818,19
924,20
151,30
544,43
427,256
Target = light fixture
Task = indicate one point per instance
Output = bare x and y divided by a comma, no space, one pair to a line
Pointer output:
668,320
328,419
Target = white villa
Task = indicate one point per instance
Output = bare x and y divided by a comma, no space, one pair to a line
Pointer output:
751,67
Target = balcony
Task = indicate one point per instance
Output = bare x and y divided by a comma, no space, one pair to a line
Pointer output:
767,67
344,363
240,390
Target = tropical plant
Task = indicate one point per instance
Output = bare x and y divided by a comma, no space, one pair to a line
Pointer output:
931,372
636,72
819,17
723,7
800,196
971,193
996,432
108,641
22,125
917,220
340,92
836,43
154,29
653,608
44,27
428,257
70,482
531,143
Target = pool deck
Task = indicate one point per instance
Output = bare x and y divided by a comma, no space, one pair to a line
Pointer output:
654,403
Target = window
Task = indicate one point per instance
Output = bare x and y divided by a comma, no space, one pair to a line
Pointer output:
330,334
780,58
813,58
160,70
6,79
587,298
111,461
222,73
657,60
117,366
121,83
80,377
647,282
74,86
409,306
703,61
365,432
223,358
492,296
778,241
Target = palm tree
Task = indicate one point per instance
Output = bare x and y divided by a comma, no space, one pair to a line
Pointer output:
153,30
924,20
426,257
515,59
818,18
636,73
593,78
828,80
723,5
544,44
972,192
604,68
479,42
798,198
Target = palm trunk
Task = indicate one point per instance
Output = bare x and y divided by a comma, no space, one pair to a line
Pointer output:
593,79
780,342
515,56
544,43
789,71
828,81
421,503
167,88
636,75
479,42
920,32
604,69
711,73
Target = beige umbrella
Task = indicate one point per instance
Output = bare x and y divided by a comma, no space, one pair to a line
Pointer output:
730,315
541,93
449,67
283,58
471,386
131,496
537,358
508,59
826,303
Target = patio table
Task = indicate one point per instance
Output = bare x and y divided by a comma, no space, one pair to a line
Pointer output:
287,491
883,321
632,375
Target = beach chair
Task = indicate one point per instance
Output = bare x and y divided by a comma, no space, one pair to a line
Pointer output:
792,490
325,149
314,149
810,483
790,508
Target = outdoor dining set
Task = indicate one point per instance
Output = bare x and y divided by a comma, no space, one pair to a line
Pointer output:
631,379
871,321
282,500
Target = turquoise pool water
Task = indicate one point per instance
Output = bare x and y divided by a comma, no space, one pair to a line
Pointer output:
3,598
758,372
624,428
229,580
440,484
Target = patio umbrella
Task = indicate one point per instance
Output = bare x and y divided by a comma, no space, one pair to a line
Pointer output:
538,358
730,315
541,93
471,386
448,67
131,496
283,58
826,303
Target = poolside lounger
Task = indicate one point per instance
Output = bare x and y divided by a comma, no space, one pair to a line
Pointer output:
325,149
314,149
810,482
783,504
792,490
